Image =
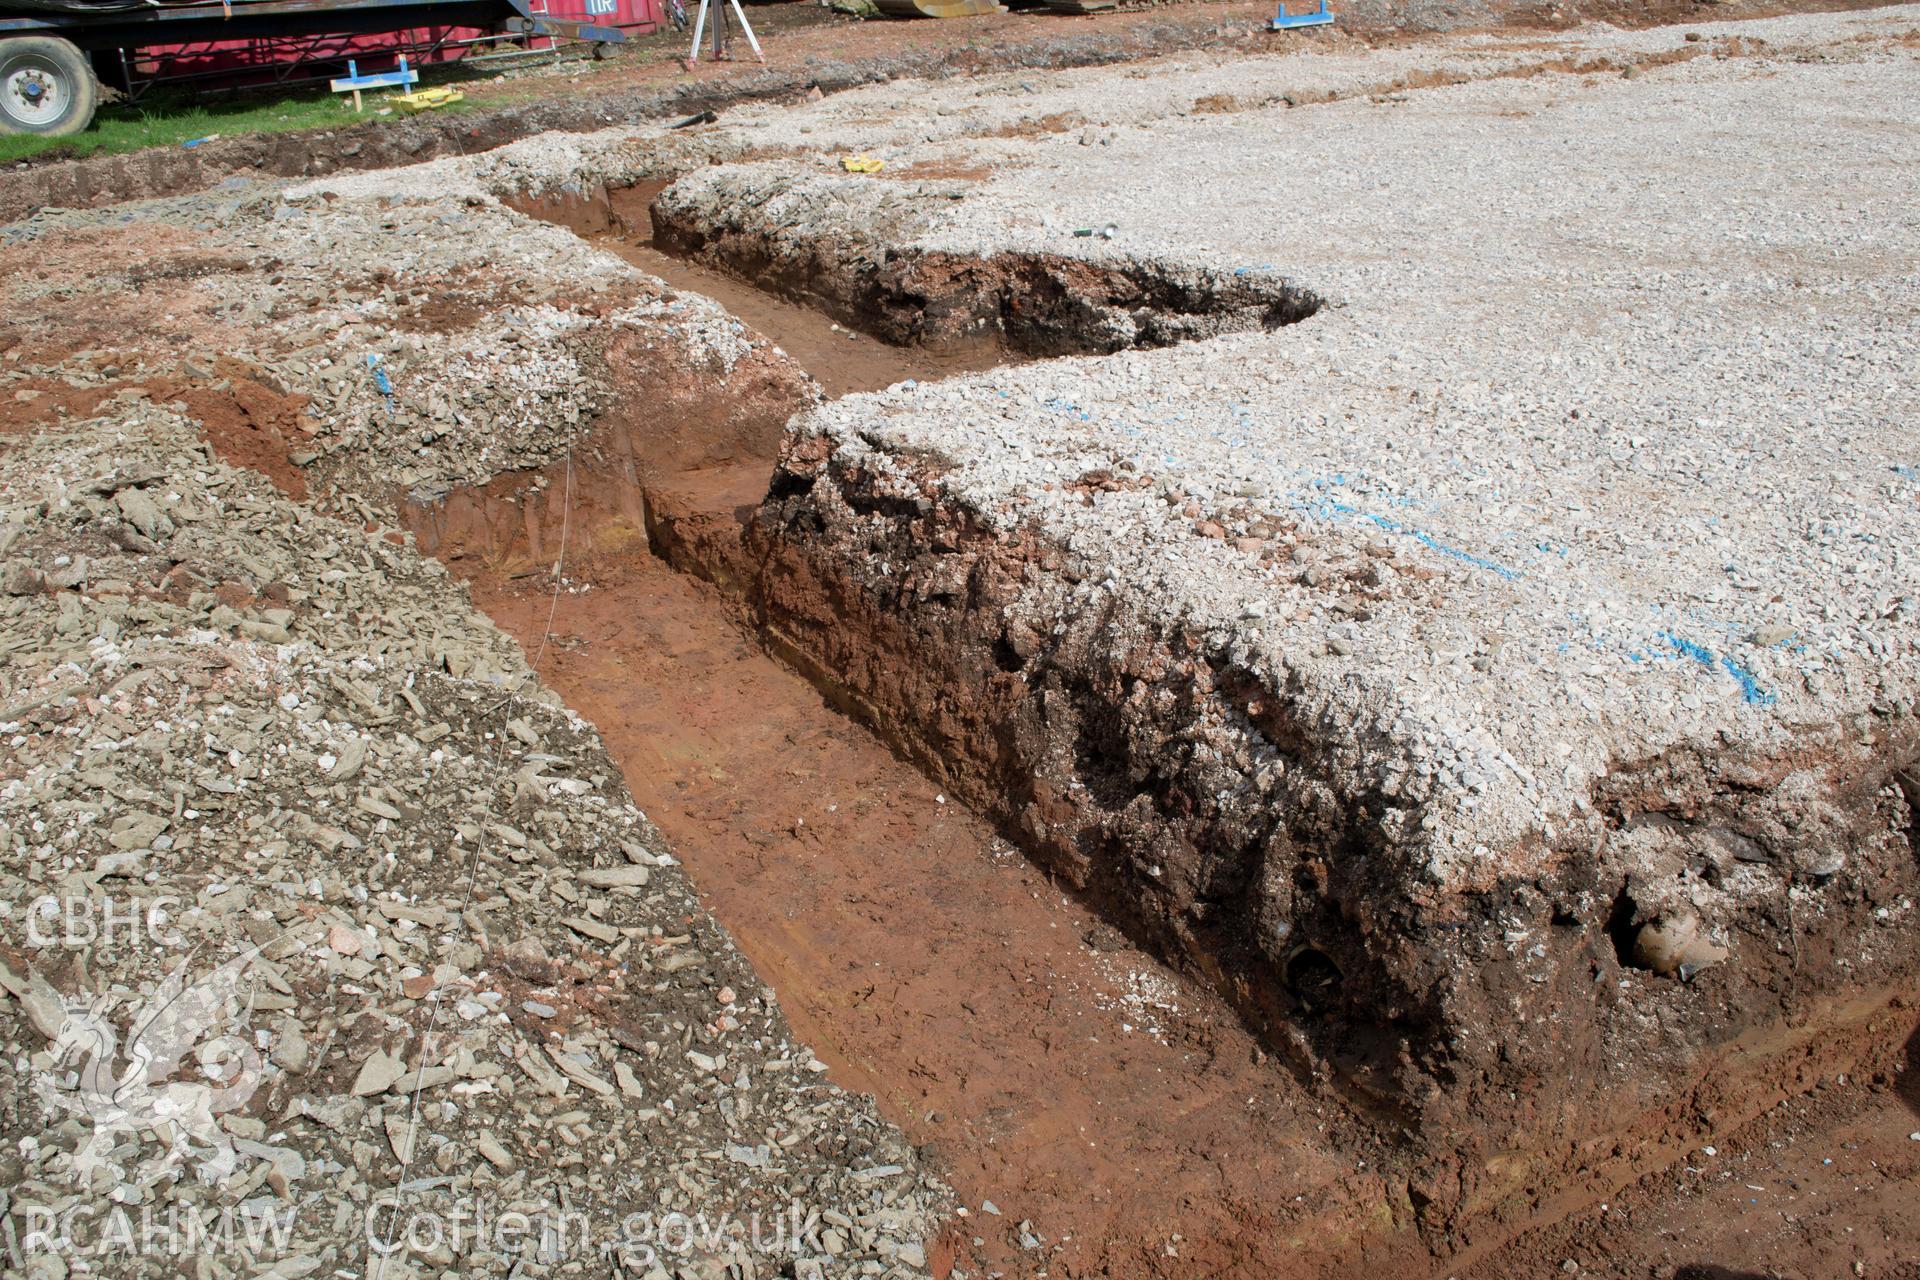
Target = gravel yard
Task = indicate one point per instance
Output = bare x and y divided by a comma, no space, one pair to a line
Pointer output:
1430,586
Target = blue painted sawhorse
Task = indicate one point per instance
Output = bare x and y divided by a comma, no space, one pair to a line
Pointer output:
353,81
1284,21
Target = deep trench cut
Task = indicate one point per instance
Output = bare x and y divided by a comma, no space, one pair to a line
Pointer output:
930,678
1037,302
842,358
1015,1019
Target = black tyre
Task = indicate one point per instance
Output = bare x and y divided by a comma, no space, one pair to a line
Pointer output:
46,86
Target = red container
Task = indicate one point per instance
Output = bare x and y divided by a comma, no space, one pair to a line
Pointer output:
637,16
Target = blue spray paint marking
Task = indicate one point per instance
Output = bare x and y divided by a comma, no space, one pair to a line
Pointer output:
1423,538
380,382
1908,473
1480,562
1702,656
1750,689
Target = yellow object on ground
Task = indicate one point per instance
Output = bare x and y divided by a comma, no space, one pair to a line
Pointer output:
426,99
862,164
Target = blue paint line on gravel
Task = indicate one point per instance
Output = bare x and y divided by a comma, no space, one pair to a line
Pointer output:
1750,689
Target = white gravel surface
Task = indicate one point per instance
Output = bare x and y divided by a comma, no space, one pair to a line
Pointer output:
986,117
1625,361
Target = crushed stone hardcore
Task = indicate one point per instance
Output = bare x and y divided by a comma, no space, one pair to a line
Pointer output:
278,743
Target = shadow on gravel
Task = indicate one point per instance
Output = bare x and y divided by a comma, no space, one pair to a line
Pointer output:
1703,1271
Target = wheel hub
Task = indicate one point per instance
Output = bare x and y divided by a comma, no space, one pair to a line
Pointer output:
31,95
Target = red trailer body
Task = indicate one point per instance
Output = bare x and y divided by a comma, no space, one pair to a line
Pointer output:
54,52
278,57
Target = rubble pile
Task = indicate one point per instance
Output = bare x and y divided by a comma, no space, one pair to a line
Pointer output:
270,766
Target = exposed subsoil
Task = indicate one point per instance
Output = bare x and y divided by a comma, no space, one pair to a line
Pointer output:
1042,1063
841,358
1821,1186
1121,1119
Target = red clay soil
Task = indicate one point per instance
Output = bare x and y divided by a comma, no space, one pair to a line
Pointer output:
248,423
1823,1186
1041,1062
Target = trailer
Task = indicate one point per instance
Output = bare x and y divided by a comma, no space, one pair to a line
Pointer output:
55,55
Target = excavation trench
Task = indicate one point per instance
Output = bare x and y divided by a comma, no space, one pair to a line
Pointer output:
1119,1118
1124,1120
828,298
842,358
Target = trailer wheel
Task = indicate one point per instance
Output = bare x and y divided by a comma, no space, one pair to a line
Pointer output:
46,87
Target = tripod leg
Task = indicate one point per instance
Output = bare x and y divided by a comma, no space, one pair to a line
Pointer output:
699,28
742,15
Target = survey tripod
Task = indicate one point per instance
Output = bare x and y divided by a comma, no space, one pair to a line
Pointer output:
719,11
